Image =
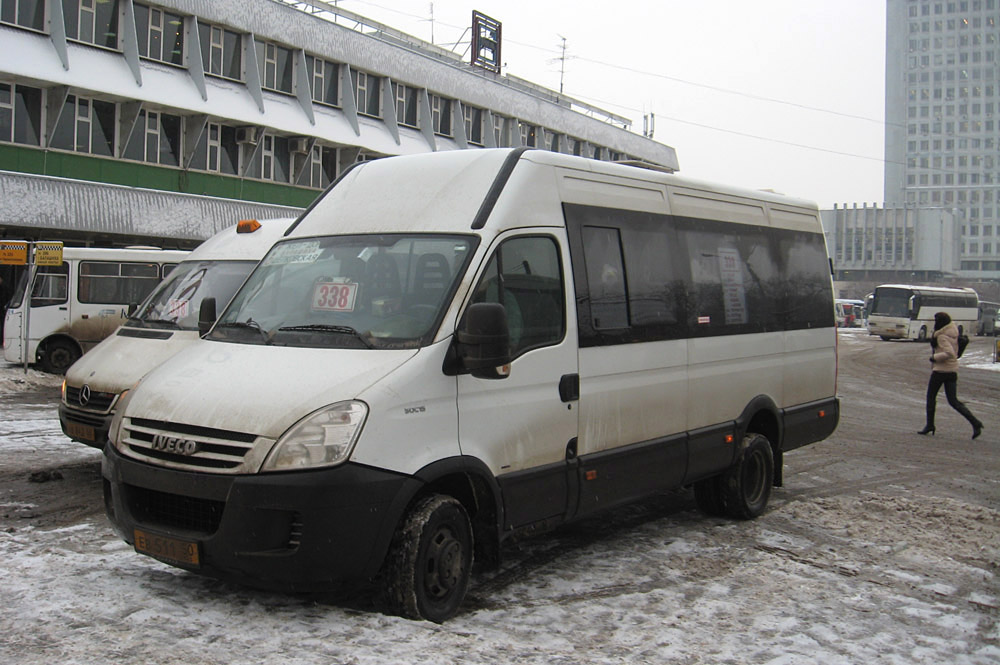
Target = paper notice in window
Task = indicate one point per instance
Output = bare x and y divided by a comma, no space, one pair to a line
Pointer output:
733,292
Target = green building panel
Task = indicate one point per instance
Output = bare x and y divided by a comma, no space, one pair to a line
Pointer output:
133,174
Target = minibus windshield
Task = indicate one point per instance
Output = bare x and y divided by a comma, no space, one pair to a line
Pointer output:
362,291
176,302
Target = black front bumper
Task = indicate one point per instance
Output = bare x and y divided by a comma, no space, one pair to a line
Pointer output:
85,426
300,531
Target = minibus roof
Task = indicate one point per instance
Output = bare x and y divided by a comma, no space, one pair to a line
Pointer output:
453,192
231,244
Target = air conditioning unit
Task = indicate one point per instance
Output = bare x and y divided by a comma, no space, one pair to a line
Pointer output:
299,145
247,135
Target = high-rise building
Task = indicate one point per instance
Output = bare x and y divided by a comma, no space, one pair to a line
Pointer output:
942,112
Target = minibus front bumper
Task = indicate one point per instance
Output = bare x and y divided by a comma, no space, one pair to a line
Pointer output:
297,531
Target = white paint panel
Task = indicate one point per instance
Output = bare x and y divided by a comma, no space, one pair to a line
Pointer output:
609,192
692,203
631,393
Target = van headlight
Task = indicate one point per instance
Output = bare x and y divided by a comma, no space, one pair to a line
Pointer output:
323,438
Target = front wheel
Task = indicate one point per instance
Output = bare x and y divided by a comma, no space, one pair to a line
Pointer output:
58,356
922,335
429,563
746,487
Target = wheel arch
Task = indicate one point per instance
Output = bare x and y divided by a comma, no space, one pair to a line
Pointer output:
469,481
762,416
55,338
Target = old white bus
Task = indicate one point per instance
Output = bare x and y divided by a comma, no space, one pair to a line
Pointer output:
904,311
77,304
451,349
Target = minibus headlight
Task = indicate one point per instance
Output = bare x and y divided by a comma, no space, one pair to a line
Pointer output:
323,438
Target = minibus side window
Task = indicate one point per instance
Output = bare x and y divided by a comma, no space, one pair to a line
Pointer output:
50,287
602,254
525,276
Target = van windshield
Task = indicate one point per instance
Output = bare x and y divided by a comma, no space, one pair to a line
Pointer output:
365,291
177,300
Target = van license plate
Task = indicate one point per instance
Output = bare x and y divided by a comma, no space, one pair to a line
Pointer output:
81,431
171,550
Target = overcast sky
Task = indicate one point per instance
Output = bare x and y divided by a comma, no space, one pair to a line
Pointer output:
770,94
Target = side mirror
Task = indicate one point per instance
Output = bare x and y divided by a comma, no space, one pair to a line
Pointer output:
483,340
206,316
132,306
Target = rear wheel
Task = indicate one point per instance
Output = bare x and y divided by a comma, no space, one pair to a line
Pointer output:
429,563
58,355
746,487
922,335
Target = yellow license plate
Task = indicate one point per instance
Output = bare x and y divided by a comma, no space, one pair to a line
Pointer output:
81,431
171,550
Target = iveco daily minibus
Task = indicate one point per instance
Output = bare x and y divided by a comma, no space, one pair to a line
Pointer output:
165,323
450,349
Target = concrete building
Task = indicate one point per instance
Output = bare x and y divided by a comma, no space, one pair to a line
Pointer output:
942,130
871,245
164,121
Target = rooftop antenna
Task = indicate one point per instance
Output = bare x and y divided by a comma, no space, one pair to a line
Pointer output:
562,64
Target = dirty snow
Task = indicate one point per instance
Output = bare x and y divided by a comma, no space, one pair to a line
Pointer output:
863,557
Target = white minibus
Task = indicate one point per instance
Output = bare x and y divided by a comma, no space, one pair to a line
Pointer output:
165,323
80,302
904,311
448,350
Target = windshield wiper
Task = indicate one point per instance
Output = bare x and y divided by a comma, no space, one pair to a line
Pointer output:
169,323
320,327
252,325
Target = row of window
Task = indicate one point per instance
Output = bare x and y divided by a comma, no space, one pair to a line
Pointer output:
980,265
951,94
94,126
160,36
974,248
99,282
939,8
953,24
643,277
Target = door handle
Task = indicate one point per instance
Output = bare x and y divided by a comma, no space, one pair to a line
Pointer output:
569,387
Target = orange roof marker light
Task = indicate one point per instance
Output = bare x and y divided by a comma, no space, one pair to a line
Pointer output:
247,226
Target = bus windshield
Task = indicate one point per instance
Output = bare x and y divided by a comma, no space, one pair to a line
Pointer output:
891,302
177,300
365,291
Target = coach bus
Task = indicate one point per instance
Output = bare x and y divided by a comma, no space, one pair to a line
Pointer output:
80,302
904,311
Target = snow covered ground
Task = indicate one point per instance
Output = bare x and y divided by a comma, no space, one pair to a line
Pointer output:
882,547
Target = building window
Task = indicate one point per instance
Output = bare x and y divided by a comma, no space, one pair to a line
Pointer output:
324,80
406,104
271,161
217,150
441,115
275,66
156,139
221,51
86,125
321,167
92,21
473,124
20,114
529,135
25,13
160,33
367,90
498,136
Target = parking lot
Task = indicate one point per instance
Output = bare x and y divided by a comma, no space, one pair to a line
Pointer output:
882,547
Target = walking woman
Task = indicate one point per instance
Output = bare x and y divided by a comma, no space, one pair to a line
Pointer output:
944,361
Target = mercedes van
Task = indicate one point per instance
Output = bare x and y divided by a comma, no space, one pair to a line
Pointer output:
450,349
166,322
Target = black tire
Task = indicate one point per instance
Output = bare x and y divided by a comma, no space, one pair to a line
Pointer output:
746,487
884,338
58,355
922,335
708,497
429,564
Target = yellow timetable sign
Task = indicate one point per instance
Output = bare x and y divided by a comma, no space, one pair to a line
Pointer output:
13,252
48,253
